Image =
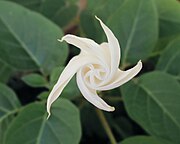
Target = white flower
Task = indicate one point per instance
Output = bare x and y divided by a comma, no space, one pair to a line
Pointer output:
97,68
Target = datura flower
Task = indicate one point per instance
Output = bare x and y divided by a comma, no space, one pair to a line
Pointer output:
96,69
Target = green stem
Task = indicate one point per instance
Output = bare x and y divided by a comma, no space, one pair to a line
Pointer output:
9,113
106,126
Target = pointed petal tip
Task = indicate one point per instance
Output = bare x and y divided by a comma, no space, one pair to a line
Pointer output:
107,109
60,40
49,114
140,63
48,108
112,109
63,38
97,18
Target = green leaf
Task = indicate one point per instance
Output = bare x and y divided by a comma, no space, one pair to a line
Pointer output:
35,80
135,24
59,11
90,27
5,71
162,43
65,15
169,16
141,140
153,102
28,40
71,91
92,5
62,127
43,96
108,8
170,58
9,104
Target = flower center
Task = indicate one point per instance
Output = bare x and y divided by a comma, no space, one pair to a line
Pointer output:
94,74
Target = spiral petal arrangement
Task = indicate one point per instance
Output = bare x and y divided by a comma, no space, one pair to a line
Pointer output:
97,68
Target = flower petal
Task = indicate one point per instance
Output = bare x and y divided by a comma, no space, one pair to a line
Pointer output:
105,49
91,95
86,45
72,67
114,47
122,77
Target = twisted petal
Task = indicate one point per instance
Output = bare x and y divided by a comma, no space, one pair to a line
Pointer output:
91,95
105,49
72,67
122,77
87,46
114,48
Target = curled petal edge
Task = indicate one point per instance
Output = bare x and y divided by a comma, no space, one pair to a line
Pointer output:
122,77
91,95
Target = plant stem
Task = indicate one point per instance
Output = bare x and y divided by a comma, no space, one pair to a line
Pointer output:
106,126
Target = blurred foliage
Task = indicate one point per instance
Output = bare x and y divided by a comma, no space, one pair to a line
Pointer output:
142,140
147,106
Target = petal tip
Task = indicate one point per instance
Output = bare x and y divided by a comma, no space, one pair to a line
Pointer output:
97,18
63,38
111,109
60,40
49,114
140,63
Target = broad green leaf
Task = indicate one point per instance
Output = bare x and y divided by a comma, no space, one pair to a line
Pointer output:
59,11
71,91
153,102
169,22
5,71
55,75
90,27
62,127
43,96
104,8
28,40
141,140
48,7
135,24
163,42
9,104
92,5
108,8
170,58
65,16
35,80
169,16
